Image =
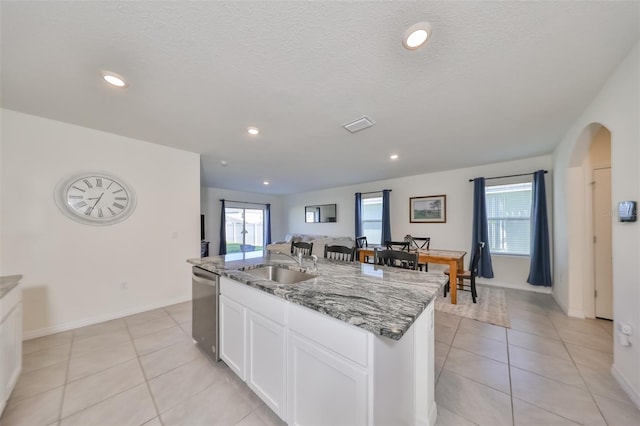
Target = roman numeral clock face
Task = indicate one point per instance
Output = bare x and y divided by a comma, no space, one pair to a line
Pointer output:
95,198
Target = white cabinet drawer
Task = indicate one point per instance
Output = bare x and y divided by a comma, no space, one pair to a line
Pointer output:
267,305
347,340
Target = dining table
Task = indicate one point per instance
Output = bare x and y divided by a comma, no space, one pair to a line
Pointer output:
453,258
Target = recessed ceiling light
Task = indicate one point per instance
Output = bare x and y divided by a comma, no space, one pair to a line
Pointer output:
223,163
416,35
114,79
266,182
253,130
394,156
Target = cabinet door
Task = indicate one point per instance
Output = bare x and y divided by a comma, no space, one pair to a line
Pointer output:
324,388
266,374
232,335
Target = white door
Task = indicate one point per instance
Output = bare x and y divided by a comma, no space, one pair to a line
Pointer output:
232,336
267,362
324,388
602,219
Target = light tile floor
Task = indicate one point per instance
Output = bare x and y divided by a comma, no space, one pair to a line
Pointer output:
547,369
140,370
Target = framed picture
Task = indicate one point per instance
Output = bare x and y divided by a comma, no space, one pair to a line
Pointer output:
430,209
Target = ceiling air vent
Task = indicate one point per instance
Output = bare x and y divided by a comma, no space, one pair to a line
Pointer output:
359,124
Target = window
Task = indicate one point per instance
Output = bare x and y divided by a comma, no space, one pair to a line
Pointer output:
372,219
508,218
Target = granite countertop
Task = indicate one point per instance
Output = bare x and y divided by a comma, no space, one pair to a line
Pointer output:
382,300
7,283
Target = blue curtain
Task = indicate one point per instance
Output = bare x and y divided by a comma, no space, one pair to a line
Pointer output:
358,226
223,230
267,221
480,229
386,216
540,269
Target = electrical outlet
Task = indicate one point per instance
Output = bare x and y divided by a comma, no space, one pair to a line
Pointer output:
626,329
124,286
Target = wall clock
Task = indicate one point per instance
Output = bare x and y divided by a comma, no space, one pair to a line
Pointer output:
95,198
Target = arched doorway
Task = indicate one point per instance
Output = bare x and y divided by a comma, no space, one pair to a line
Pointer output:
591,216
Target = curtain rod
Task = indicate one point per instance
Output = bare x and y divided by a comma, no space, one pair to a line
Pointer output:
508,176
244,202
375,192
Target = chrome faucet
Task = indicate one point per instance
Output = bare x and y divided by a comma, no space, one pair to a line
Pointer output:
299,258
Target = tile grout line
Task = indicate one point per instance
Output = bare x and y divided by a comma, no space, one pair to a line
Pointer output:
144,375
66,379
571,358
448,351
442,368
513,411
105,399
575,365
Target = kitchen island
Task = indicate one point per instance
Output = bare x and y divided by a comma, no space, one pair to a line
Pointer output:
353,344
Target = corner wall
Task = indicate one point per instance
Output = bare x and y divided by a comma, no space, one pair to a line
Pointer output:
455,234
617,107
76,274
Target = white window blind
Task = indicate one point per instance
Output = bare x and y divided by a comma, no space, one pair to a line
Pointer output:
509,218
371,219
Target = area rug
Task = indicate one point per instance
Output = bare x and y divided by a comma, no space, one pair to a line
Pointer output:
491,306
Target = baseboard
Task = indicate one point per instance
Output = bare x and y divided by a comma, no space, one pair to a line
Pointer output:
32,334
564,307
626,386
433,415
576,313
529,287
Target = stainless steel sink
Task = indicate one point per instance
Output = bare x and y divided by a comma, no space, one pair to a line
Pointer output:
280,275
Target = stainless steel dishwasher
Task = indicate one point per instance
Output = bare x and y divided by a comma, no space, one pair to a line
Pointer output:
206,301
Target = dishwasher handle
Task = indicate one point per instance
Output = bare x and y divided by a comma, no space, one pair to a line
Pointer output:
206,278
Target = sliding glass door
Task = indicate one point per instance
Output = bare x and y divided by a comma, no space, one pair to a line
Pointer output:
244,229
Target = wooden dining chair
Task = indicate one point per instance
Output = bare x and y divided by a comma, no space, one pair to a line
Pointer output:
301,247
343,253
469,275
421,243
361,242
397,245
396,258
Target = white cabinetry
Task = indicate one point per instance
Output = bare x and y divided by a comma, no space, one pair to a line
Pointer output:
312,369
325,388
233,339
253,340
10,343
266,376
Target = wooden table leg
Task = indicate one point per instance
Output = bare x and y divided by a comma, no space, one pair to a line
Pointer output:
361,256
453,281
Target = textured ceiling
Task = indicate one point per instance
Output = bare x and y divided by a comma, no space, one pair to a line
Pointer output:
497,81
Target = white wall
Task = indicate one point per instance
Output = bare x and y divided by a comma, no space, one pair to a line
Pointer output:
73,273
616,107
455,234
210,208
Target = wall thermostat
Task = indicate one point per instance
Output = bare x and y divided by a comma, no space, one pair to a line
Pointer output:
627,211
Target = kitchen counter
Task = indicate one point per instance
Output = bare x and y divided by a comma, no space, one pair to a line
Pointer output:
8,283
385,301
